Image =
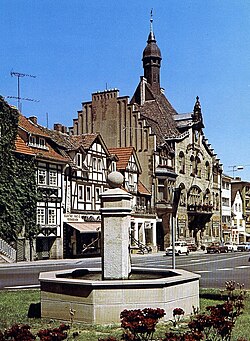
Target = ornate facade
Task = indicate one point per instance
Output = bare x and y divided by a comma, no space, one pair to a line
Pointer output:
171,147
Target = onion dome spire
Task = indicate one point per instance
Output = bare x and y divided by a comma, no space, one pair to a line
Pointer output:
152,59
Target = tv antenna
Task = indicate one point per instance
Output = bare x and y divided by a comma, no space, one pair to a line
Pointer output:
18,97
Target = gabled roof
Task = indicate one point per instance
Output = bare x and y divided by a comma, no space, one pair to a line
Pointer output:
124,154
85,140
30,127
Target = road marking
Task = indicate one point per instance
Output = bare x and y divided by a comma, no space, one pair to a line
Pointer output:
202,271
242,267
225,269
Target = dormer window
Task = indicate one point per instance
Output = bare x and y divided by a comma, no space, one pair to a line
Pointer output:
37,142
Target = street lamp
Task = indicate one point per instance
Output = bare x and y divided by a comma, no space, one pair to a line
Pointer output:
169,206
236,168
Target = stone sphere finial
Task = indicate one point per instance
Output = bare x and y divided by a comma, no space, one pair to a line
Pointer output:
115,179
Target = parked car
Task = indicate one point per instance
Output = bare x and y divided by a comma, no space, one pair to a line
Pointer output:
217,248
192,247
180,248
243,247
232,247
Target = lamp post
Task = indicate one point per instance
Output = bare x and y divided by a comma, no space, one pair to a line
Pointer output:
167,207
236,168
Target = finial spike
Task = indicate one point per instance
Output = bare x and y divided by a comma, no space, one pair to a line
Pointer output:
151,20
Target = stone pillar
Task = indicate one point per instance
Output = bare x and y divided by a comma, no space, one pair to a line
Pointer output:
115,213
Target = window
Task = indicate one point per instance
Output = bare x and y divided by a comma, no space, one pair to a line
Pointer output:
53,178
41,176
198,167
79,160
32,140
36,141
94,163
192,165
225,202
40,217
97,194
99,164
181,163
207,171
88,193
80,192
41,142
51,216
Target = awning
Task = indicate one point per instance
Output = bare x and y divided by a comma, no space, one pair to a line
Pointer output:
86,227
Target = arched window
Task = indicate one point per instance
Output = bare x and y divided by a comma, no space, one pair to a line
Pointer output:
194,196
183,195
192,165
208,171
198,167
181,163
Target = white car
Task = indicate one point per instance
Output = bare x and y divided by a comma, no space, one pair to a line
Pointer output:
180,248
231,246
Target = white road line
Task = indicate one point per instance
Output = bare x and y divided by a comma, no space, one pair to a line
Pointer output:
202,271
225,269
242,267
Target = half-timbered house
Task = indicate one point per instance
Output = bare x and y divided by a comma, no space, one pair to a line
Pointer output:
143,220
50,168
85,178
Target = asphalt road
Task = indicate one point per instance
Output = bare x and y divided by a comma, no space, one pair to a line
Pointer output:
214,269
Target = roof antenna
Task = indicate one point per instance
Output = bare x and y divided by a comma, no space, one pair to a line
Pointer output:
18,97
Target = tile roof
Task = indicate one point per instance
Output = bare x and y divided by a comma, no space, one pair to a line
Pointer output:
142,189
84,140
159,114
22,148
124,154
29,126
70,142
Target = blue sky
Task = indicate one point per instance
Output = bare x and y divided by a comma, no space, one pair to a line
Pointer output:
77,47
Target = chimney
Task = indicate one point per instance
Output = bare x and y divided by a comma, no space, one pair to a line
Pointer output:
64,129
58,127
33,119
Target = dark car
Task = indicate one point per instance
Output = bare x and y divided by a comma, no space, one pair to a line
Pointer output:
192,247
217,248
243,247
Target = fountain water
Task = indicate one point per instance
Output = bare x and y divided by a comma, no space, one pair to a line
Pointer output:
99,296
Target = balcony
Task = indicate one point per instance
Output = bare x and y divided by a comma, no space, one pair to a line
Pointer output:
200,208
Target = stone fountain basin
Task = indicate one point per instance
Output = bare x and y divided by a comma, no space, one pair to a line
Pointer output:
98,301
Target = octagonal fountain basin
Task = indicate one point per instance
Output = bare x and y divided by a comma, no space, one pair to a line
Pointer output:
97,301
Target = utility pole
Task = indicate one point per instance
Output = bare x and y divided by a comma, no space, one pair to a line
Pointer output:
20,75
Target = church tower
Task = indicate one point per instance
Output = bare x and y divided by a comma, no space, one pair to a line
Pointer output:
152,61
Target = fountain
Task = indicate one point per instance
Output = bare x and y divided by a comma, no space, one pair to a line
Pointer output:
97,296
